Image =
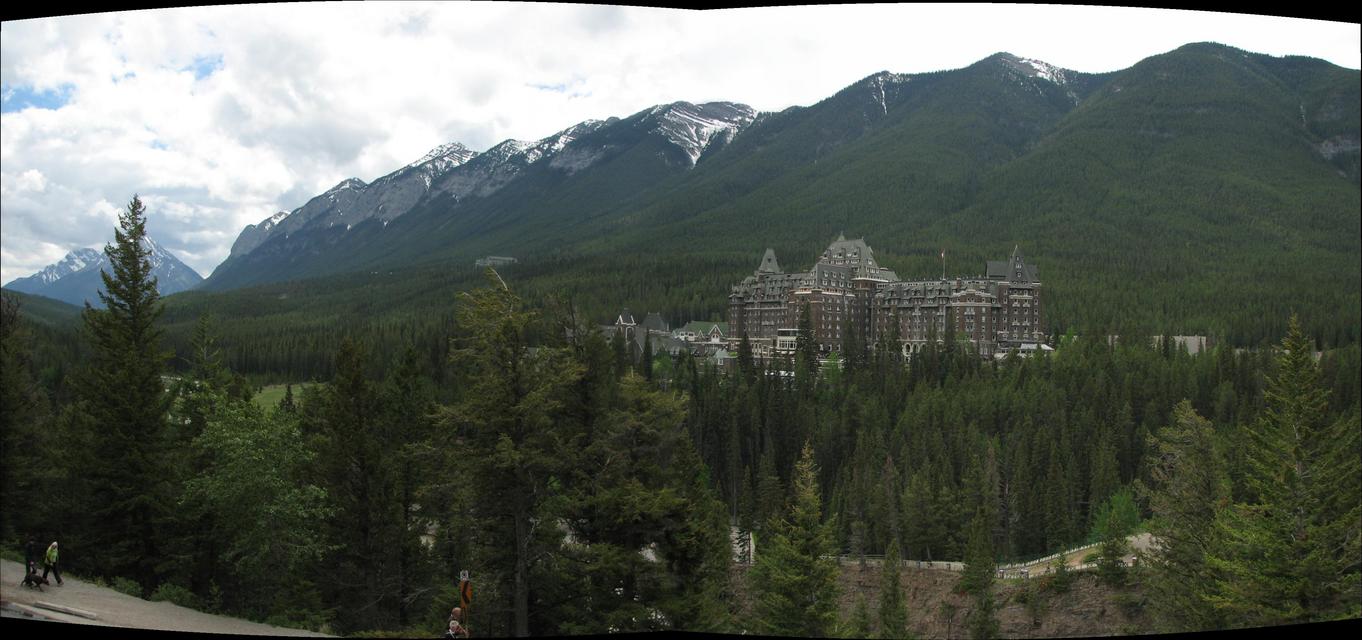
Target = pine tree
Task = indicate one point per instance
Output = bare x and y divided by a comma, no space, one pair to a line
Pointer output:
653,541
1290,554
287,404
355,468
406,404
621,352
977,580
1188,488
645,362
794,581
200,395
859,624
893,613
514,442
27,441
1059,516
127,401
1105,477
1111,558
746,363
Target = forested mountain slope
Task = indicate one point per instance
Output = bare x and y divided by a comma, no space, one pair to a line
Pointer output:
1207,190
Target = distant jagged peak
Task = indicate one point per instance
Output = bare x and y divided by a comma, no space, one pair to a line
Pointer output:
875,84
508,149
447,156
551,145
692,127
87,258
348,183
584,127
74,261
881,78
1031,67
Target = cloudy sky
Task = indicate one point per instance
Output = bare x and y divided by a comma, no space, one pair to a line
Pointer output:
221,116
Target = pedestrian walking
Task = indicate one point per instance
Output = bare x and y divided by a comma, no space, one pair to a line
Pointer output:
50,562
32,552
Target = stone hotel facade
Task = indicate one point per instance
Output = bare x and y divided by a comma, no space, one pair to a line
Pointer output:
847,290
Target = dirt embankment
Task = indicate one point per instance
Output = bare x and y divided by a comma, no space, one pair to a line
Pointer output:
937,611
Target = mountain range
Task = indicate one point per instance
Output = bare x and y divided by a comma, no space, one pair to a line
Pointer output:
75,278
1207,190
1205,173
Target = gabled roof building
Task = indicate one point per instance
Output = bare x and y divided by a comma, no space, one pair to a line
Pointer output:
846,290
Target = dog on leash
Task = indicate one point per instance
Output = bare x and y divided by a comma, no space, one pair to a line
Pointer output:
34,580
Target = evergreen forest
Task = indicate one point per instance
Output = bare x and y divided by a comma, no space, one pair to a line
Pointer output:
496,429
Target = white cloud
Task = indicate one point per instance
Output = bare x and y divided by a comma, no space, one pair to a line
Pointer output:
221,116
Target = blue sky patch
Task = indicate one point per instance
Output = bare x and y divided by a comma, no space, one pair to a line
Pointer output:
567,88
19,97
204,66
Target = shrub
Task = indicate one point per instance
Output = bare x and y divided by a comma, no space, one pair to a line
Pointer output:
1131,604
1035,604
127,586
175,594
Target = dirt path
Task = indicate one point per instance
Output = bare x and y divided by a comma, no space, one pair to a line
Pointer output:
1137,543
115,609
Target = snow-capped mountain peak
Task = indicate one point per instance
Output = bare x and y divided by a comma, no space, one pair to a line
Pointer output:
693,127
73,262
348,183
508,149
76,279
1033,68
446,157
1045,71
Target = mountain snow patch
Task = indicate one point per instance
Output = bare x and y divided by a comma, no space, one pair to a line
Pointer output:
692,127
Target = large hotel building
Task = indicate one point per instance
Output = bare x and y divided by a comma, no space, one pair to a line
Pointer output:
846,289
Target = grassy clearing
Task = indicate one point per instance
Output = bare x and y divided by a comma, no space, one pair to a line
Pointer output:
269,396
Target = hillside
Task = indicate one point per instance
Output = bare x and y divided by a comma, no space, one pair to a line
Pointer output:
1207,190
45,311
935,610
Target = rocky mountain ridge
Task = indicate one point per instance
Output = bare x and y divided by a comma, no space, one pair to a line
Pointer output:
75,278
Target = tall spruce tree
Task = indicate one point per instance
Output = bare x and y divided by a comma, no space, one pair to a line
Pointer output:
893,612
858,626
356,469
514,443
1188,487
978,580
794,582
1290,554
27,441
653,541
127,401
407,403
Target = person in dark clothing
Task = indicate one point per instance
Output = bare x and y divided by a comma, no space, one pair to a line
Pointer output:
32,552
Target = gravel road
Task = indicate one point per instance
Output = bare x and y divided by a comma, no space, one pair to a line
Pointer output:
114,609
